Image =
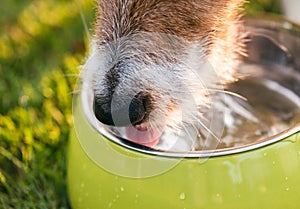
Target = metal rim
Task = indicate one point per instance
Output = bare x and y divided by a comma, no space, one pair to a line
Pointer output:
87,109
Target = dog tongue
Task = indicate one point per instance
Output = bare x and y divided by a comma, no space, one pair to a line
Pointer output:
145,137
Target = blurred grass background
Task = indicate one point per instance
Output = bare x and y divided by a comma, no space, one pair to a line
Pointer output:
42,43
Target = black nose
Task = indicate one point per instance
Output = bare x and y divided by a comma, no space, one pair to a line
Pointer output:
125,115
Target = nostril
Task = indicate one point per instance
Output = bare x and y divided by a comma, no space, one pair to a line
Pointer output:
137,110
139,107
133,113
103,112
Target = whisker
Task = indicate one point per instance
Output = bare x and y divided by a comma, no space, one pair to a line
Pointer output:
84,22
71,75
190,136
229,93
208,130
75,92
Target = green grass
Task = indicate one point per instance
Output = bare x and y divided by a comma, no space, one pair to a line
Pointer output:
42,43
41,46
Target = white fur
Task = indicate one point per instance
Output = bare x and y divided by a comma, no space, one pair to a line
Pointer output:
181,89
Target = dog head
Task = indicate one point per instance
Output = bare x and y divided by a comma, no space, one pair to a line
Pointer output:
153,63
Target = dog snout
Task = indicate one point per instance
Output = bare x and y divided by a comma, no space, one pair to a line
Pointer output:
127,114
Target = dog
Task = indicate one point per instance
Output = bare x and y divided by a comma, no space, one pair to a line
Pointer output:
155,65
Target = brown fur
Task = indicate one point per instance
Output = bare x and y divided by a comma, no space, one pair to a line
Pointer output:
213,22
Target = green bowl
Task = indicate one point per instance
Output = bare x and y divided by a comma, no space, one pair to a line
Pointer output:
107,172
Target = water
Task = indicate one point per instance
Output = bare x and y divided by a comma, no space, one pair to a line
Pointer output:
272,105
268,104
182,196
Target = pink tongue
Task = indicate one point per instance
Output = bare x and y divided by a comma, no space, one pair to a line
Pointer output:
146,137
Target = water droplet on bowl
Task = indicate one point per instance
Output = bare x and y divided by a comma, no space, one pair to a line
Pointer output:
292,139
182,196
